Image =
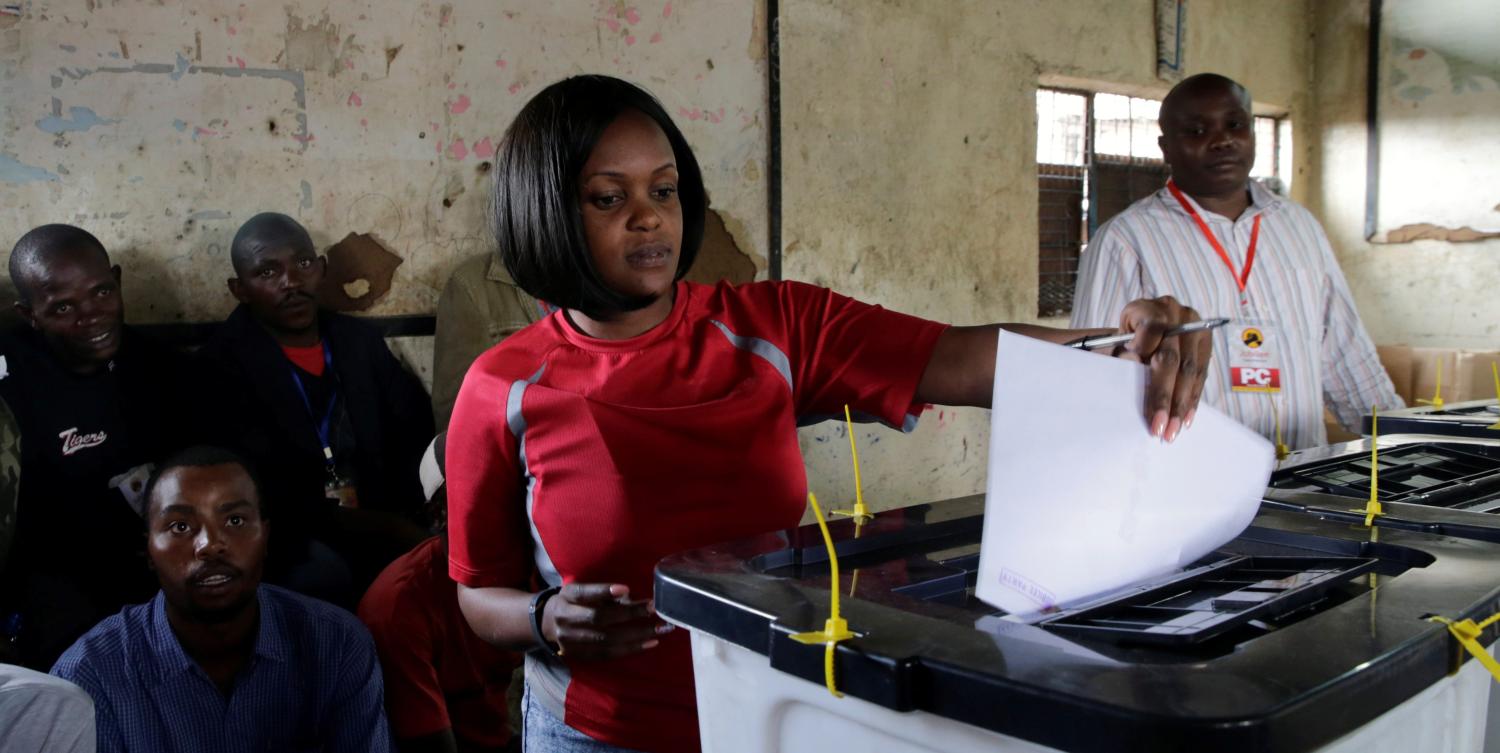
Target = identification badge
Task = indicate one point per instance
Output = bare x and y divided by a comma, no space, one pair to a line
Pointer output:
132,486
340,490
1254,357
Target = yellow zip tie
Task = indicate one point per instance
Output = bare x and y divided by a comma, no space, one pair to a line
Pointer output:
859,526
1437,397
1281,449
1373,508
1495,371
860,513
835,629
1467,632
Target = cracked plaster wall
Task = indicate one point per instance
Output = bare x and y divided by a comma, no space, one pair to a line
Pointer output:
909,139
161,125
1424,293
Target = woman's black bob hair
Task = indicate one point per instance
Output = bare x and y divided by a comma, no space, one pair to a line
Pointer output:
537,220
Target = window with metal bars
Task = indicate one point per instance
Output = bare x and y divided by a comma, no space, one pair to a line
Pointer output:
1096,154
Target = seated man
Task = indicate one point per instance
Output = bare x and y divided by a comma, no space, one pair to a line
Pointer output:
1223,244
317,400
217,661
95,401
43,714
479,307
446,688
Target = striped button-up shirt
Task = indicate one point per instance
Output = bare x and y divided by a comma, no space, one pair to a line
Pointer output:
313,683
1154,248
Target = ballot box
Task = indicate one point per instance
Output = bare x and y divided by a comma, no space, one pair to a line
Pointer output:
1473,418
1300,634
1443,485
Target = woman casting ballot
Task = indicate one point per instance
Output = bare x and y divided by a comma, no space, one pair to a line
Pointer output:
648,415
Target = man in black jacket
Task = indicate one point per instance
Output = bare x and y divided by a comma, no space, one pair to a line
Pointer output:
95,402
317,401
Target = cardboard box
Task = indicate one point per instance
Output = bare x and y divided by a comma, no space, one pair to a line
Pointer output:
1477,370
1336,432
1397,360
1465,374
1414,374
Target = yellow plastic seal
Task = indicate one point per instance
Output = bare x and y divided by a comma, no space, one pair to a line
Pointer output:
835,629
860,513
1282,451
1437,397
1495,372
1468,633
1373,508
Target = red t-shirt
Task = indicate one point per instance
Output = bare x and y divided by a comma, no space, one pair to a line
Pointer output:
589,460
438,673
309,359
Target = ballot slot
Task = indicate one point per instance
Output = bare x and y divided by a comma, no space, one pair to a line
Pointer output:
1459,477
1215,599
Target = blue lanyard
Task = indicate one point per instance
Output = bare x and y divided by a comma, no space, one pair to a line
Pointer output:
322,427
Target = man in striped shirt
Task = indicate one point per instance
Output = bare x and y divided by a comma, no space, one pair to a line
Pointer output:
1228,247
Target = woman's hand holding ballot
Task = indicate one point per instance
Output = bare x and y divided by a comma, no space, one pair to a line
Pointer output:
1179,364
962,368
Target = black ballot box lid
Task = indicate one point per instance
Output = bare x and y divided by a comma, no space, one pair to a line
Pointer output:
1433,484
1326,631
1471,418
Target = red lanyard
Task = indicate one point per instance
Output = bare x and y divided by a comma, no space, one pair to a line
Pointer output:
1240,278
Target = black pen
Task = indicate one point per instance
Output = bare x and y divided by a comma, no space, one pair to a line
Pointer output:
1090,343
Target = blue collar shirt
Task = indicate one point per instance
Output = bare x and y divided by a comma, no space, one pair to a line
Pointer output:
312,684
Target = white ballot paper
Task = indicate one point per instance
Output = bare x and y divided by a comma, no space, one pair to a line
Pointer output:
1082,500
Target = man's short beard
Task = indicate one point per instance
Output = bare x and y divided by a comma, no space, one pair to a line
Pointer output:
219,615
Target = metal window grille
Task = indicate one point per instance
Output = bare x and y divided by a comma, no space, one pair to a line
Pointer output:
1062,177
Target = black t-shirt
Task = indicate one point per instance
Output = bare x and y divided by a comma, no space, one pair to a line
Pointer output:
81,436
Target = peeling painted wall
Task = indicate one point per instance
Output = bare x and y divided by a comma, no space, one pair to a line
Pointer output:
160,125
910,143
1427,292
908,125
1439,86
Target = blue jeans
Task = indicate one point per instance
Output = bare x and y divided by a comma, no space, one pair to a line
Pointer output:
541,732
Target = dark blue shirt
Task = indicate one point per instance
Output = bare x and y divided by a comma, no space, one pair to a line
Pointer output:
312,684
